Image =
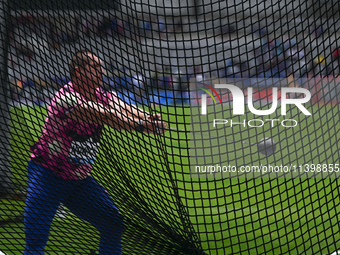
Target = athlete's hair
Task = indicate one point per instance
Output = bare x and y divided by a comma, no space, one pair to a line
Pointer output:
79,59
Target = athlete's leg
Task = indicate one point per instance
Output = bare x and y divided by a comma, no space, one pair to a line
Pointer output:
92,203
43,198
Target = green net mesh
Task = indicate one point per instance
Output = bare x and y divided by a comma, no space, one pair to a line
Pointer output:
209,184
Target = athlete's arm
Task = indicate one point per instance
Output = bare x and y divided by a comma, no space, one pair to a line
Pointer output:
117,117
129,109
132,110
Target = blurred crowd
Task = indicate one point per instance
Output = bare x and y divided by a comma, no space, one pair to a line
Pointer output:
273,58
29,34
278,59
135,86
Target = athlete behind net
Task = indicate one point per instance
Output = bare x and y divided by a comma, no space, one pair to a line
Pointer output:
62,159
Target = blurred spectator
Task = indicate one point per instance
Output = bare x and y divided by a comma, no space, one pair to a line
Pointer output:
198,74
138,82
162,79
16,86
227,29
22,34
232,69
336,58
40,87
144,28
161,25
336,54
180,83
158,24
319,66
90,26
103,27
120,28
178,26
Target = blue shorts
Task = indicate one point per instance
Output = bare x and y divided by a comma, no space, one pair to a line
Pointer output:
85,198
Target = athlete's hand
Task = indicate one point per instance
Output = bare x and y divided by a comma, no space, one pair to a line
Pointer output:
155,124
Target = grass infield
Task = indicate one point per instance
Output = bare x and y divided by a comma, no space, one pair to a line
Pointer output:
244,216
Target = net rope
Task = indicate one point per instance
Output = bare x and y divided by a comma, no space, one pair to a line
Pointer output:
171,192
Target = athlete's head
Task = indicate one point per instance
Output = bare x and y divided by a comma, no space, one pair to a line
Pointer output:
85,67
